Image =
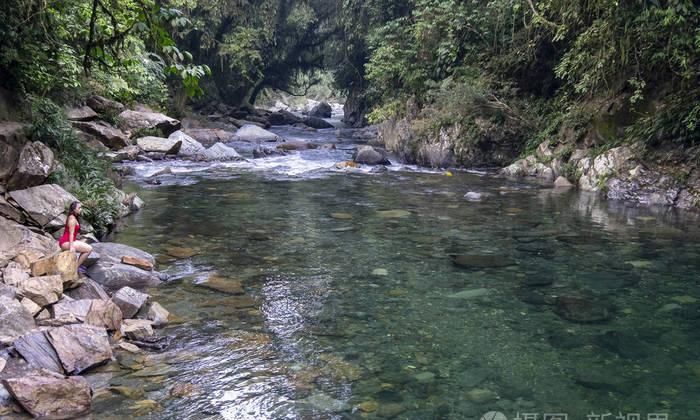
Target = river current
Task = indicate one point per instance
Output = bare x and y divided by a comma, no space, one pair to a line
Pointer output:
344,294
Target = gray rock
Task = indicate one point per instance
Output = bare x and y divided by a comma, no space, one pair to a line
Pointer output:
104,105
35,348
283,117
151,144
157,314
594,172
90,289
105,314
321,110
189,146
129,301
209,136
43,290
254,134
562,182
473,196
136,329
50,397
80,347
43,203
12,139
219,152
108,135
369,155
82,113
479,261
14,319
15,239
113,252
469,294
35,164
78,308
116,275
317,123
134,121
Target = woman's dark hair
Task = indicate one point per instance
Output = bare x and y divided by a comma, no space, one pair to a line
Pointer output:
71,209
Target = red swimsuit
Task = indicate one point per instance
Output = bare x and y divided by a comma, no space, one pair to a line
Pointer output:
66,233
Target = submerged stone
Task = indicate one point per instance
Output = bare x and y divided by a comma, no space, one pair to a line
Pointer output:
475,261
470,294
582,309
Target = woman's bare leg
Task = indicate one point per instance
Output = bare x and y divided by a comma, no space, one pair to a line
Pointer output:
84,250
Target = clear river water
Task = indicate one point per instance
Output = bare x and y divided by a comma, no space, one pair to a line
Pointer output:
346,294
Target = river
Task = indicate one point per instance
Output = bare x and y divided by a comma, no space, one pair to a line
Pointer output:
391,295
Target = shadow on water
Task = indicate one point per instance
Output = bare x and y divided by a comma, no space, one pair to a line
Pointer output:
392,296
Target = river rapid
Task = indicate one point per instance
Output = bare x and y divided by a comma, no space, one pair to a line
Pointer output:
345,293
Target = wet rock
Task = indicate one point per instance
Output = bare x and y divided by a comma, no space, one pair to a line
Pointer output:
63,264
44,203
49,397
209,136
182,390
317,123
602,381
129,301
136,329
80,347
254,134
219,152
321,110
223,284
112,137
127,153
480,261
393,214
181,252
474,196
90,289
105,314
369,155
390,410
35,348
470,293
141,263
283,117
134,121
109,272
326,403
481,396
43,290
537,280
425,377
103,105
35,163
189,146
262,152
129,347
296,145
151,144
562,182
347,164
622,343
157,314
15,320
82,113
582,309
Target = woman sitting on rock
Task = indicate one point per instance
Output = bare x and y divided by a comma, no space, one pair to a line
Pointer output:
68,241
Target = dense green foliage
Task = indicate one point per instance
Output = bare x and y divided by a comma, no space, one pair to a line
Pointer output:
81,171
564,59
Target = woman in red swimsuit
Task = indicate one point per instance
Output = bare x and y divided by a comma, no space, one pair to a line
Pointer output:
68,241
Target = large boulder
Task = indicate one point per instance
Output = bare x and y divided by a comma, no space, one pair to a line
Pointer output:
104,105
80,347
82,113
129,301
15,320
134,121
44,204
107,134
35,348
49,397
35,164
284,117
209,136
43,290
595,172
90,289
63,263
15,239
254,134
12,139
318,123
189,147
111,273
529,167
321,110
105,314
369,155
219,152
152,144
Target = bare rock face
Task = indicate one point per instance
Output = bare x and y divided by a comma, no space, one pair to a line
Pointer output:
108,135
14,319
80,347
104,105
136,329
48,397
140,120
129,301
64,264
35,348
16,238
82,113
43,290
35,164
44,203
150,144
105,314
